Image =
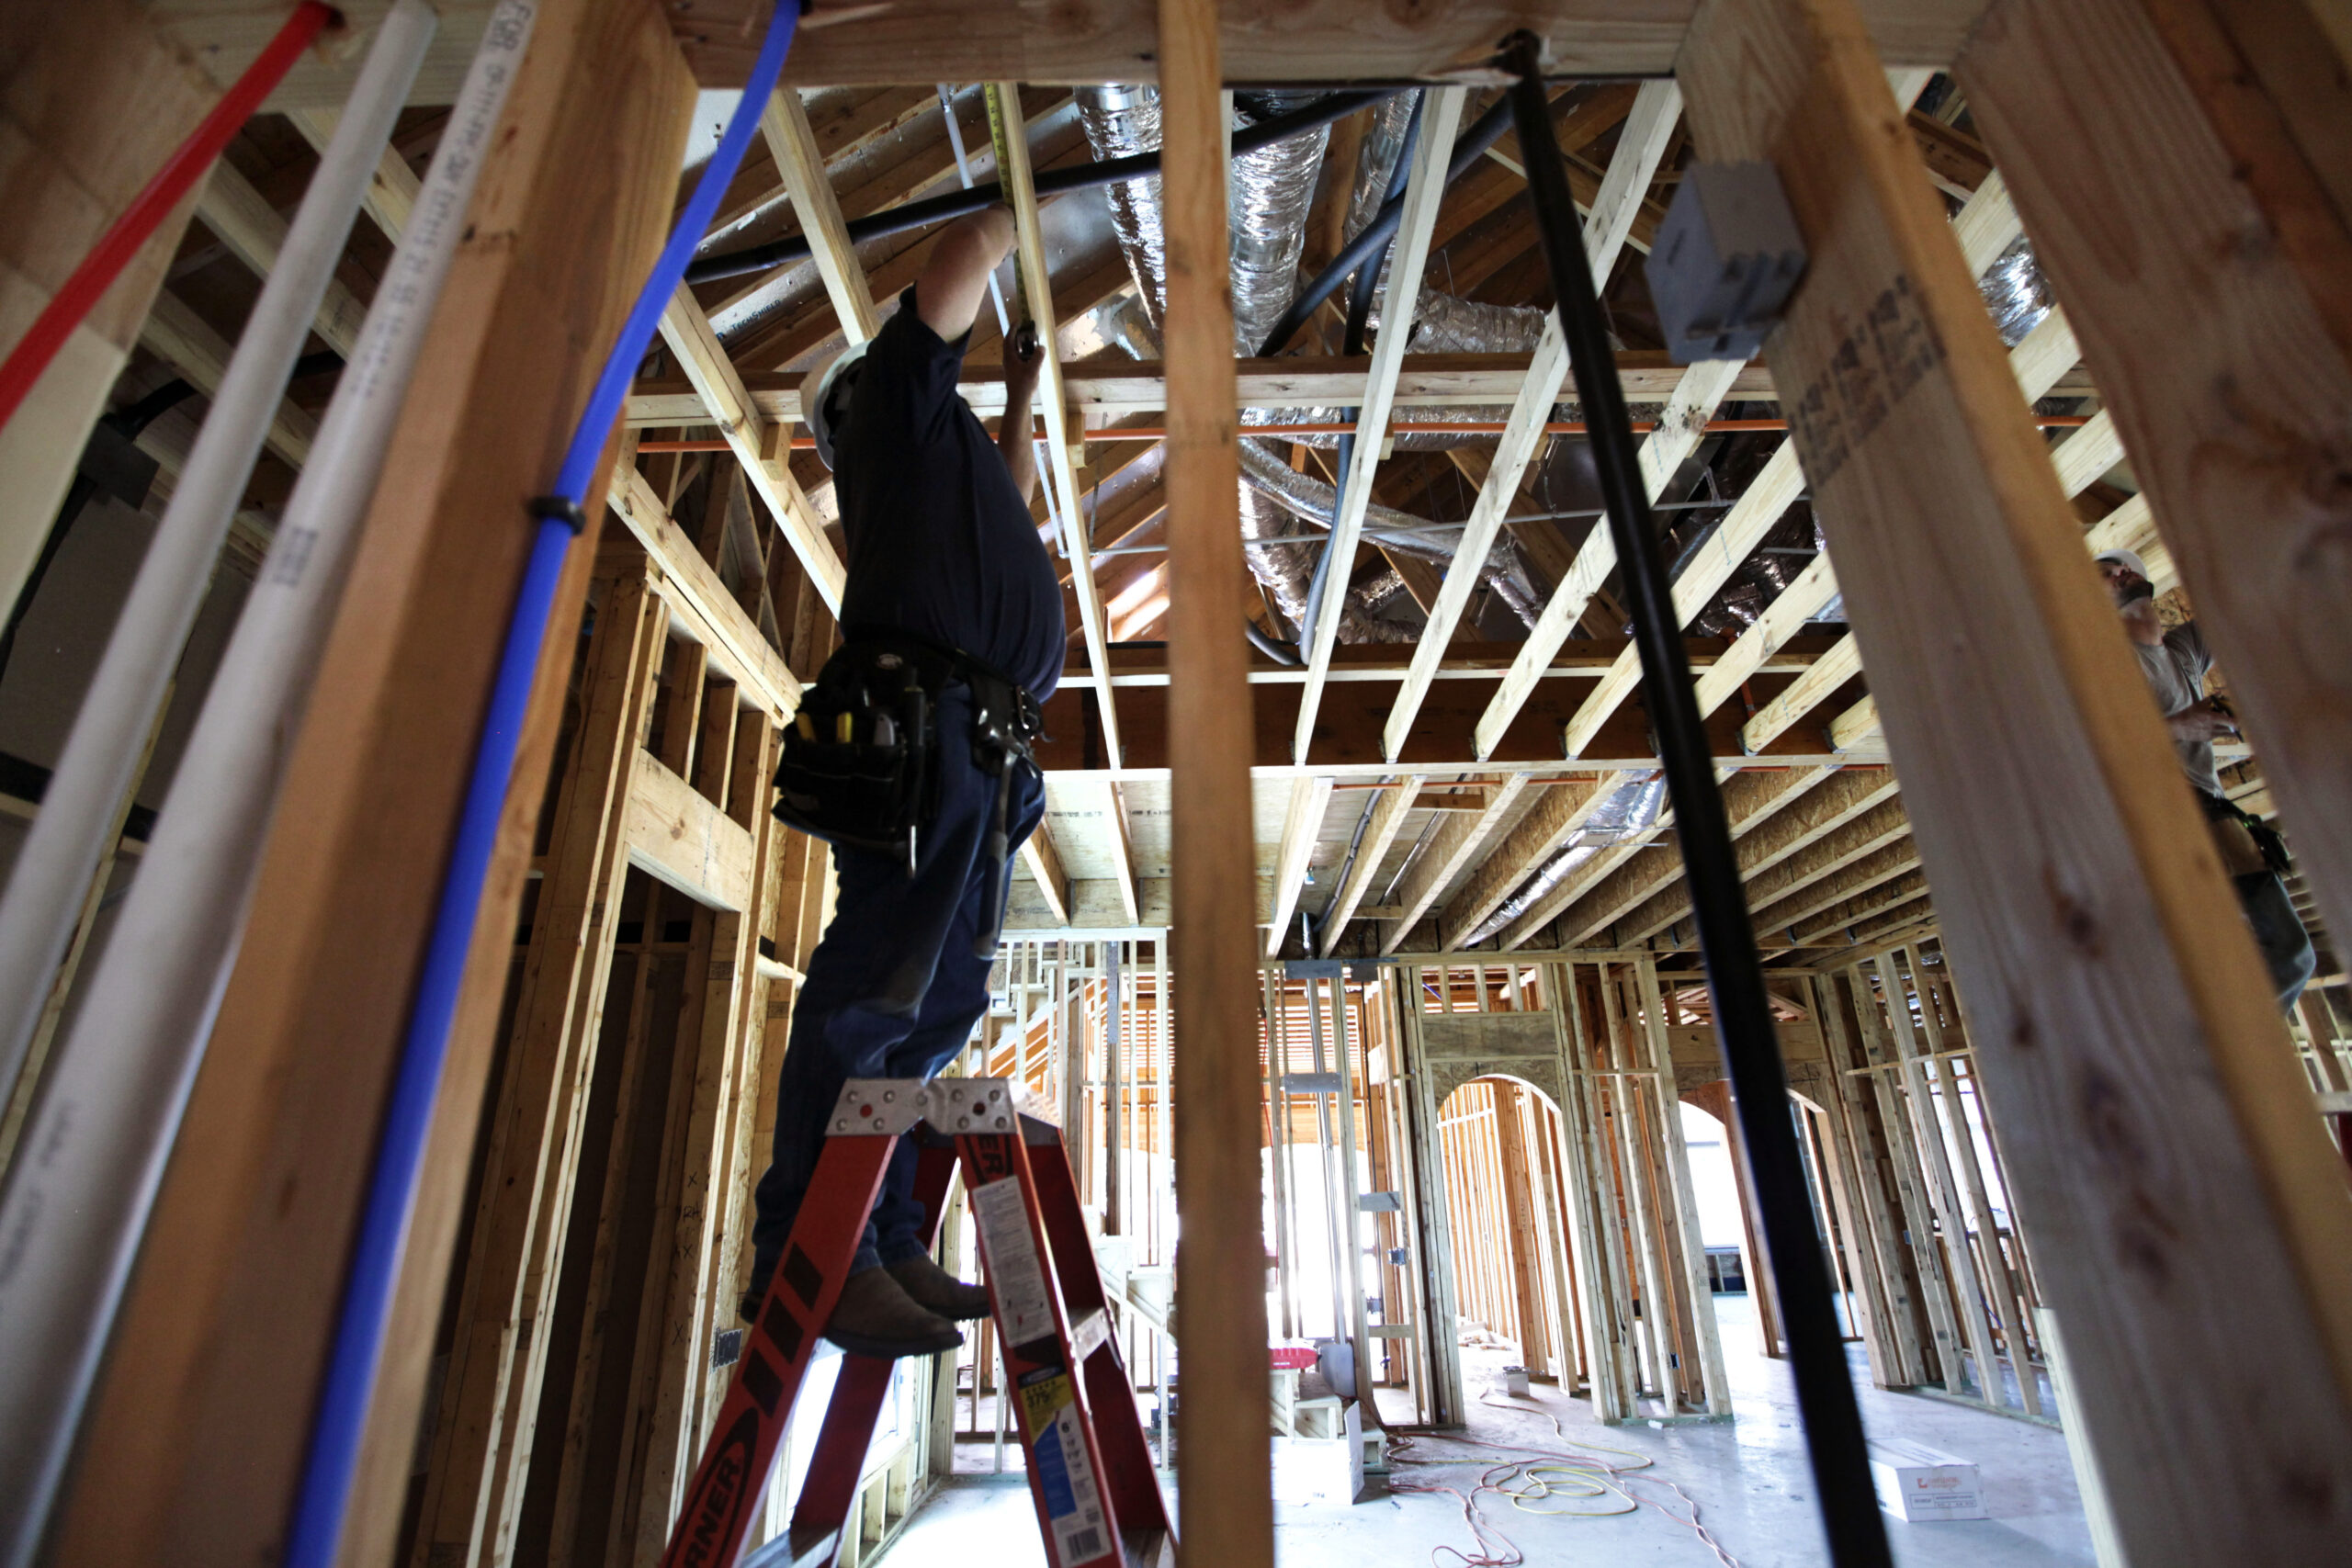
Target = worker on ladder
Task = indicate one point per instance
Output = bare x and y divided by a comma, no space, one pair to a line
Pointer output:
910,755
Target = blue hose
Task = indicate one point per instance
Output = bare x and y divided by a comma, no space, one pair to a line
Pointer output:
333,1456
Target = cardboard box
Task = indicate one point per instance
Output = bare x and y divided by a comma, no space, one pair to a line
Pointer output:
1916,1482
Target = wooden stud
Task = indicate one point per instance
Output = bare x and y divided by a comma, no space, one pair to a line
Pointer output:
196,1432
2231,127
792,143
2069,863
1222,1460
1425,187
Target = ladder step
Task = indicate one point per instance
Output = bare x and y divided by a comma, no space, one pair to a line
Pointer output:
1149,1549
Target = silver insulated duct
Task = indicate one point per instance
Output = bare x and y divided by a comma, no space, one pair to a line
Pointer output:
1630,809
2016,292
1268,192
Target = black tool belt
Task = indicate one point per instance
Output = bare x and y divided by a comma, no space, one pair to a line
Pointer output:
861,756
2234,828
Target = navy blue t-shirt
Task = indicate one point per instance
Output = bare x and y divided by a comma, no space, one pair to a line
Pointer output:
940,543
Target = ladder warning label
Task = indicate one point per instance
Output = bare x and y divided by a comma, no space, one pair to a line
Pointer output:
1024,1309
1065,1474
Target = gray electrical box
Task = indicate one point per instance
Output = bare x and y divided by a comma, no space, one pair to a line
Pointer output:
1723,262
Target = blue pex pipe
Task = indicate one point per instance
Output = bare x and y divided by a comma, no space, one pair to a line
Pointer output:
335,1438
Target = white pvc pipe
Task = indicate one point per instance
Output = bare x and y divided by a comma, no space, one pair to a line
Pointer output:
88,1166
69,836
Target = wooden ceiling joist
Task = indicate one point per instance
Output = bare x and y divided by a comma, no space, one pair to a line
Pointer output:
1388,817
1452,849
1424,191
1749,799
757,442
1804,820
1641,143
1109,387
2039,781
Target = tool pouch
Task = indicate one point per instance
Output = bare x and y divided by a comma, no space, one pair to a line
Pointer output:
2247,845
861,756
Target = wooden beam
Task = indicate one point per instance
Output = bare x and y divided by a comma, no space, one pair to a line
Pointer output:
1224,1462
1311,799
1700,392
2037,362
1756,514
241,219
1546,829
1347,900
1045,864
1108,388
676,835
1836,925
2234,128
756,443
1847,795
1264,40
1449,850
1424,191
1657,105
2051,817
1749,799
1851,880
194,1447
1037,286
692,588
792,143
177,335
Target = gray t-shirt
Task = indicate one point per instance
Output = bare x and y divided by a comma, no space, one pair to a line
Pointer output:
2176,675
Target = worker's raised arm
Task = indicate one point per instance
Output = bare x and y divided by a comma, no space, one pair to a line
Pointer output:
1024,358
947,296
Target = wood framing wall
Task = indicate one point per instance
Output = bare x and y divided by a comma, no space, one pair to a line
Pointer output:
2117,1133
206,1403
2118,1025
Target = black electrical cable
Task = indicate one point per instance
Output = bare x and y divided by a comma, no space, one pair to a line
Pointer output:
1273,647
1051,182
1833,1424
1468,149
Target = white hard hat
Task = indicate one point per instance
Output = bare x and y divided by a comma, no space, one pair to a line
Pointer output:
2129,558
824,400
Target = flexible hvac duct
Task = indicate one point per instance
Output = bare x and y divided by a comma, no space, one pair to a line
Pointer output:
1121,120
1286,568
2016,292
1630,809
1311,500
1442,322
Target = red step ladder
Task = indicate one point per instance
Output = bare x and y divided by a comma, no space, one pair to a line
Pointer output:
1089,1469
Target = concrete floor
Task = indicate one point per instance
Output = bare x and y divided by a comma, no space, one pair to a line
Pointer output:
1749,1478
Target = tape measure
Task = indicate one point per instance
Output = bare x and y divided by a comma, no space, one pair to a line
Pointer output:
1003,119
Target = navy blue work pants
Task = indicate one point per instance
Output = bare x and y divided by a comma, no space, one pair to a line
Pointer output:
893,991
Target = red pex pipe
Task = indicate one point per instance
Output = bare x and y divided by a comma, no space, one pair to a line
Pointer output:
190,164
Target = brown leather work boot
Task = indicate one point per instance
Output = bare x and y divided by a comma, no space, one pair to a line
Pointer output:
876,1317
935,1290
